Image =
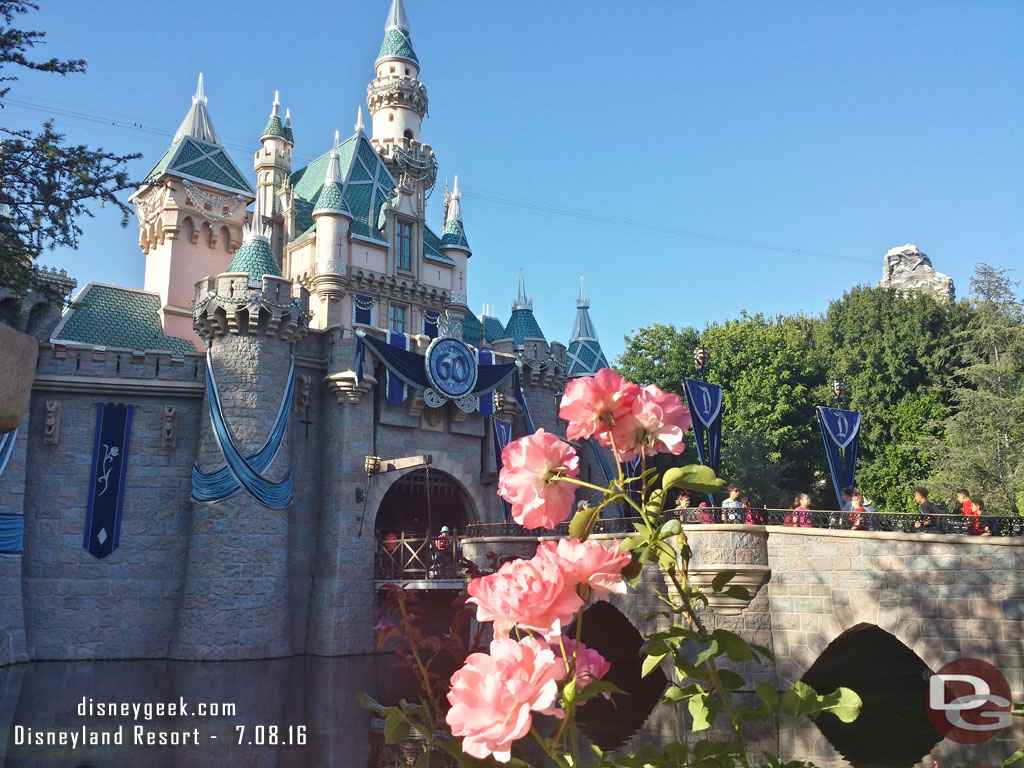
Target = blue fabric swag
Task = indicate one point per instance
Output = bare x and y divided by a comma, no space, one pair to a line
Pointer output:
239,472
840,432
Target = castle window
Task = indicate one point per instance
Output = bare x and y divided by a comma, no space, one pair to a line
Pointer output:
403,246
391,117
362,309
408,134
407,70
392,70
396,318
430,319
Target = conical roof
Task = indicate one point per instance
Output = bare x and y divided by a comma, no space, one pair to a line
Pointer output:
274,127
522,324
397,42
197,155
584,353
331,199
288,135
454,233
255,256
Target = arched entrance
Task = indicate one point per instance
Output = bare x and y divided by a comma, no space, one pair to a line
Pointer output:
423,501
892,681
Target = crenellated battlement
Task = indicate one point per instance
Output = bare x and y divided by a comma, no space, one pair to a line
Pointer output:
229,304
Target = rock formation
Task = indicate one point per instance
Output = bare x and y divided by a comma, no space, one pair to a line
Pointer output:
908,270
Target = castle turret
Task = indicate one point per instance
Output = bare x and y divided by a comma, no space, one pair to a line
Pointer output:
333,221
273,166
236,602
584,354
522,332
398,104
191,208
455,246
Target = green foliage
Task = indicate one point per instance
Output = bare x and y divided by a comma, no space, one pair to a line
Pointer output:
48,184
983,445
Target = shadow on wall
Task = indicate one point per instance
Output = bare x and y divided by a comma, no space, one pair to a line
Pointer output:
609,724
893,728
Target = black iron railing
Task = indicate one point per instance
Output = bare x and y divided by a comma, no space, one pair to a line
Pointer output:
416,557
953,524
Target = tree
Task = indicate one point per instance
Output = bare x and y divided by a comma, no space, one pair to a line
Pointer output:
983,445
660,355
898,356
47,185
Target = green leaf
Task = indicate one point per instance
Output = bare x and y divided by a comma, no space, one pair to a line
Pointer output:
801,699
636,565
697,653
670,528
1016,757
701,710
736,592
651,663
721,579
730,680
396,726
692,477
582,522
423,761
367,702
682,693
767,693
595,688
677,753
843,703
762,650
735,646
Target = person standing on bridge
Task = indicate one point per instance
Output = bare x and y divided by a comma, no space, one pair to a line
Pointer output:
731,506
963,498
928,522
803,511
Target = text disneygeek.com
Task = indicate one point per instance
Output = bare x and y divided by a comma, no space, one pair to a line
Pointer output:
146,735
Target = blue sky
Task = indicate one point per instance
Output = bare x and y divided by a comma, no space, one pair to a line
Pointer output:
638,143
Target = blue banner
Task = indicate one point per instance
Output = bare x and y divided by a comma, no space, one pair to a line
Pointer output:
840,432
706,408
520,395
485,357
396,388
12,534
244,472
106,488
7,448
502,431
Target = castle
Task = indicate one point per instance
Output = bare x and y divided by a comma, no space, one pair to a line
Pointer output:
208,464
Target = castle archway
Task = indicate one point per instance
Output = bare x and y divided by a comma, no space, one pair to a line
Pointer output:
423,500
892,682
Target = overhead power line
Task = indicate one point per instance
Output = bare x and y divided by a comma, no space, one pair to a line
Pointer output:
104,122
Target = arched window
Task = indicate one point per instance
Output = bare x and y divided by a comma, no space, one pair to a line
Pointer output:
408,134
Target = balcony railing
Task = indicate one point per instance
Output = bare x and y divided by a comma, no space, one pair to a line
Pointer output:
416,557
953,524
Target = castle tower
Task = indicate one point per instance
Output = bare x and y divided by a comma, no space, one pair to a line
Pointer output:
398,104
584,354
522,332
191,208
273,166
333,221
455,246
235,602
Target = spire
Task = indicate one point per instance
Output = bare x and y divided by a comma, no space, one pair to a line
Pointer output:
397,43
454,233
584,354
360,128
197,122
255,256
288,135
521,301
396,17
331,199
274,129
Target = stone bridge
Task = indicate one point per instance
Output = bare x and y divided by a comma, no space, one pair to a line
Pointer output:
943,597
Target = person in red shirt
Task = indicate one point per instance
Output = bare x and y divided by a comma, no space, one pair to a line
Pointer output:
963,498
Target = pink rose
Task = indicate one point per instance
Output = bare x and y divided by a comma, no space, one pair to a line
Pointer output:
527,481
529,593
493,694
656,423
590,665
588,562
593,405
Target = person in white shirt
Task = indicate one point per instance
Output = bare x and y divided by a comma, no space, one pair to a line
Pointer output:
731,506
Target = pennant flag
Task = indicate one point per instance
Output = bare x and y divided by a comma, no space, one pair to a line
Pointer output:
106,490
396,388
840,432
706,408
502,436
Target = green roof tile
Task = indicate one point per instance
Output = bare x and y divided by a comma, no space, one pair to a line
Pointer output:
454,236
191,158
585,358
522,325
471,330
256,258
274,127
432,248
106,316
397,45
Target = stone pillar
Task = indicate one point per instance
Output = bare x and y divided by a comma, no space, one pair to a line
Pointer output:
235,600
